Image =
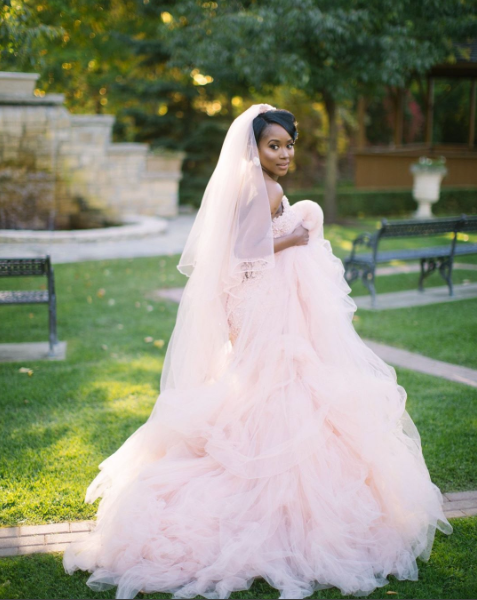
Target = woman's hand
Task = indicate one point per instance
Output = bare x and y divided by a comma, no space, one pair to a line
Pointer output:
300,235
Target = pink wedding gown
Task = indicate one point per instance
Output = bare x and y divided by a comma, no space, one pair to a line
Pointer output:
297,463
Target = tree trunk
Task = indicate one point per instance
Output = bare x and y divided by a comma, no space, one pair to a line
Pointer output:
331,172
97,105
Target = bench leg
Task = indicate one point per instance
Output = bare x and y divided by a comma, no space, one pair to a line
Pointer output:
428,266
351,272
53,338
367,278
51,309
445,269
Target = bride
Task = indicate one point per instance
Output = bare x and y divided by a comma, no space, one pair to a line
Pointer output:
279,446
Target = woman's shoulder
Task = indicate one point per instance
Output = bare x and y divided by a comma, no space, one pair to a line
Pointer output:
275,194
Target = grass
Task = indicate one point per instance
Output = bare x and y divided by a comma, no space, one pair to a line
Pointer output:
444,413
449,573
64,419
446,331
60,420
59,423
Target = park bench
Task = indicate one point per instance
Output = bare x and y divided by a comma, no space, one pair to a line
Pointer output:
364,264
32,267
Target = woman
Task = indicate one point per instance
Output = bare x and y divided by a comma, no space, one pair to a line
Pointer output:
279,446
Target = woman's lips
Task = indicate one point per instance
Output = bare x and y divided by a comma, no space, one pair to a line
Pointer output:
283,166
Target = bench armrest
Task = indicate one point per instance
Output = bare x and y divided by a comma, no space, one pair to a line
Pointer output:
364,239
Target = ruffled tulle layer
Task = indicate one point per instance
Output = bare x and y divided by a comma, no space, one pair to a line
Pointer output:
298,464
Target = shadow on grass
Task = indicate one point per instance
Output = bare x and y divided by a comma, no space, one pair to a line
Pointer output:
56,430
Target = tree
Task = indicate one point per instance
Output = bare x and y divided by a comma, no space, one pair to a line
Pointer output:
332,50
111,57
170,70
21,30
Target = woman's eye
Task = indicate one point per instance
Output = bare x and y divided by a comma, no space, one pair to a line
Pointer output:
273,146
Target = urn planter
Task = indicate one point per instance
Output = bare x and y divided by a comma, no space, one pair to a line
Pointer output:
428,174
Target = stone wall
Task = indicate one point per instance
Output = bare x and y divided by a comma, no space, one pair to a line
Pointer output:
59,170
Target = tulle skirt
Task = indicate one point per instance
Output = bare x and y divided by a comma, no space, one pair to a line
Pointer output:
297,463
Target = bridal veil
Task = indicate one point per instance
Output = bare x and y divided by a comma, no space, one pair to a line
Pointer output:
231,235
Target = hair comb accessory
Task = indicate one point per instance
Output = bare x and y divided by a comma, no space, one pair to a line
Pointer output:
265,108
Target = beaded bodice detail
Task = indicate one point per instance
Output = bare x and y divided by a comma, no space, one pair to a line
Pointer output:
255,283
285,222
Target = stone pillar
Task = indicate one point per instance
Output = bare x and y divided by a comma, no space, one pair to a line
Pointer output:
59,170
27,153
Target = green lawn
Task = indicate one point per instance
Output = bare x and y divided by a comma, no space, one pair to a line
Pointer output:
445,331
64,419
68,414
59,423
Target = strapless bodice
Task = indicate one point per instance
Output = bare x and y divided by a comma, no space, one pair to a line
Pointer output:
285,222
254,284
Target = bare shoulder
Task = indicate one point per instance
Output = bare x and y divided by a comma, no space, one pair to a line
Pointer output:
275,194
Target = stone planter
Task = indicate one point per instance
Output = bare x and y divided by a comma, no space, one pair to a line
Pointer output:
428,175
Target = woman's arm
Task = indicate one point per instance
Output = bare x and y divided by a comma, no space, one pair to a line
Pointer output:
285,241
298,237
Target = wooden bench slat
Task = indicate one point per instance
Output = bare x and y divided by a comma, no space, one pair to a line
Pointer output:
465,249
417,253
406,254
23,267
24,297
27,267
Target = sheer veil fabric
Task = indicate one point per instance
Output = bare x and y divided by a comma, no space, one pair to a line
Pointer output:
231,235
287,454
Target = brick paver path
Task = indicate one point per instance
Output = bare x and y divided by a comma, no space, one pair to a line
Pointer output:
407,298
55,537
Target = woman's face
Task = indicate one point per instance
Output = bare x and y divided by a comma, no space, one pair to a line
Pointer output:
276,149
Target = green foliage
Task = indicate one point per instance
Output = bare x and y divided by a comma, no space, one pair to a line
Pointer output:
452,105
337,48
112,57
393,203
331,51
202,147
21,31
170,71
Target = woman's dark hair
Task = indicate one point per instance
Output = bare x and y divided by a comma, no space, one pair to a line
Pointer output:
281,117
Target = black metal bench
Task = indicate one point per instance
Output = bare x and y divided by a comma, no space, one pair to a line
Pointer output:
364,264
31,267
